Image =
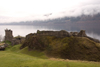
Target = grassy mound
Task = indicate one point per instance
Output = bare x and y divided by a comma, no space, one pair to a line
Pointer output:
74,48
14,57
15,49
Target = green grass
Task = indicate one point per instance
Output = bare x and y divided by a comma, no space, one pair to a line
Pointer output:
13,57
15,49
8,42
33,53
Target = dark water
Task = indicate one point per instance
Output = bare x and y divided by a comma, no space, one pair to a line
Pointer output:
23,30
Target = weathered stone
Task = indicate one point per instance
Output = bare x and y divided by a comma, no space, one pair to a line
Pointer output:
8,35
61,33
82,33
74,33
2,46
14,41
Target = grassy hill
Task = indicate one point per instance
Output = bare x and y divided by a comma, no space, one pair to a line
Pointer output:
73,48
14,57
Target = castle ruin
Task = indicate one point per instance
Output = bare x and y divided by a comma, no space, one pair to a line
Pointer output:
62,33
8,35
13,40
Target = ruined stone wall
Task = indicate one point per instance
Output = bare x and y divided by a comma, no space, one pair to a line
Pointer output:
9,37
74,33
61,33
16,41
82,33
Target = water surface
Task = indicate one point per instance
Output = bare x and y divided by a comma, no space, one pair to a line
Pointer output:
23,30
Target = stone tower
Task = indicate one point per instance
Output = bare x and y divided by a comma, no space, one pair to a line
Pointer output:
8,35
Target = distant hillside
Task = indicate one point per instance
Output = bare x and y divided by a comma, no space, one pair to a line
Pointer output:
86,22
83,19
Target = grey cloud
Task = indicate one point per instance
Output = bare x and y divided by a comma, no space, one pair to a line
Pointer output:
86,7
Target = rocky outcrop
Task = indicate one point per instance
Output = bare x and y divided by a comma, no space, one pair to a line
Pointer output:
3,46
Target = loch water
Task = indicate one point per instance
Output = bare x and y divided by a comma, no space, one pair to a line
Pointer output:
23,30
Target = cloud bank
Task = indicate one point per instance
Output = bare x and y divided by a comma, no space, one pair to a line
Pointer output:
27,10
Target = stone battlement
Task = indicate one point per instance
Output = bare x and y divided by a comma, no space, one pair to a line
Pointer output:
62,33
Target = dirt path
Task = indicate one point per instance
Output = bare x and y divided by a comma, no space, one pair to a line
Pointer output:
67,60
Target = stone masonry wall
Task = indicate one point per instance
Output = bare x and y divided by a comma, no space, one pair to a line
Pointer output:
61,33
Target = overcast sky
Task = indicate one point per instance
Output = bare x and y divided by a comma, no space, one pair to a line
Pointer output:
27,10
